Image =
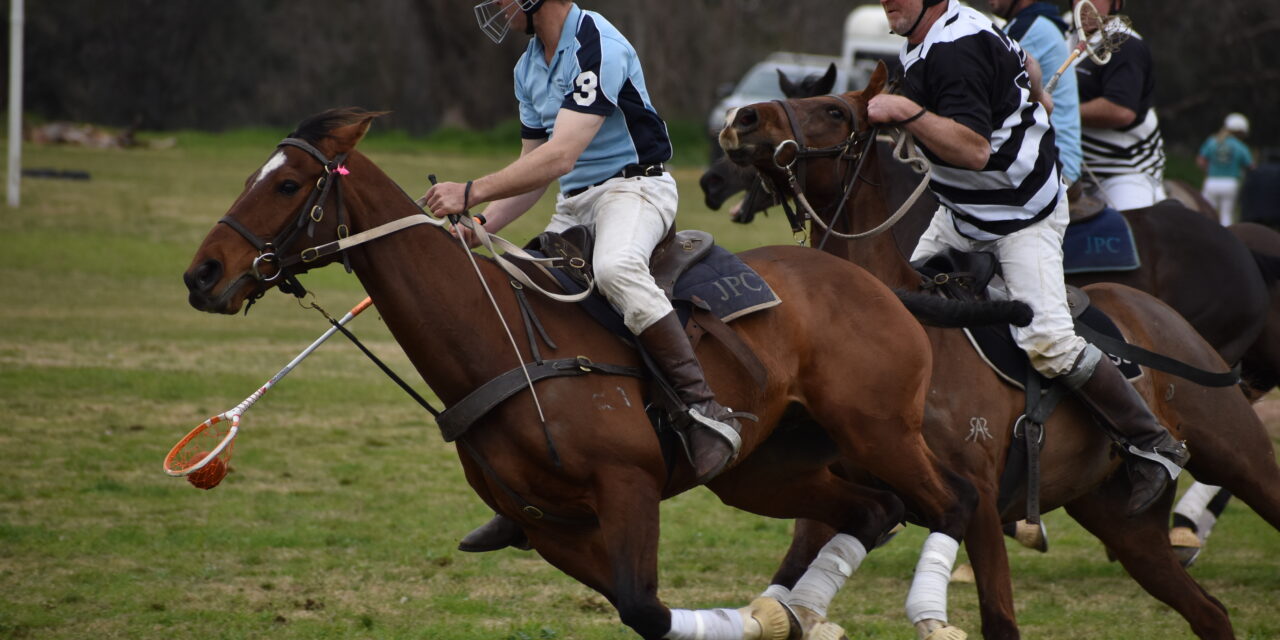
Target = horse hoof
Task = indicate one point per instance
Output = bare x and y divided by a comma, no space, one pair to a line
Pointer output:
765,619
963,574
947,633
826,630
1186,545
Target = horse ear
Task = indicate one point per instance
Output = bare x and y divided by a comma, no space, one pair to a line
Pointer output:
828,81
346,137
788,88
878,78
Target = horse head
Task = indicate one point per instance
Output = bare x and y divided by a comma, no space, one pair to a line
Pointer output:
723,179
814,145
295,197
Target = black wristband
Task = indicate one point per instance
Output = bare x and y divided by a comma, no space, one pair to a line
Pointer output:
908,121
466,197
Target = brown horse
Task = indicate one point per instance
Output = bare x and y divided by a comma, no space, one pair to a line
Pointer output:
1229,444
858,395
1187,260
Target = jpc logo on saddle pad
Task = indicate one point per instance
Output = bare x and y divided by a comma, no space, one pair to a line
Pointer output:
727,285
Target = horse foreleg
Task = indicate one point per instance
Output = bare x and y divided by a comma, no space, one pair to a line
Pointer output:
807,539
619,559
1141,544
984,542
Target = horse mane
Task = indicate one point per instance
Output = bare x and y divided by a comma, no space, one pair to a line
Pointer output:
319,126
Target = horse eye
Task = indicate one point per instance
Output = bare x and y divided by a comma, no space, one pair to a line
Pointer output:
289,187
835,113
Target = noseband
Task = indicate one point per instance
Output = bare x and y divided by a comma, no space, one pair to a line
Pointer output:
274,251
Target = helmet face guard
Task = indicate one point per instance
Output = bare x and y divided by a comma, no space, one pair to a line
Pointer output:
495,20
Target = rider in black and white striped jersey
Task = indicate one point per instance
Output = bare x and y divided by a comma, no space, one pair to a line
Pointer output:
1120,133
973,102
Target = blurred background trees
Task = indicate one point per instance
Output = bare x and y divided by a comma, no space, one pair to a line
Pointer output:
168,64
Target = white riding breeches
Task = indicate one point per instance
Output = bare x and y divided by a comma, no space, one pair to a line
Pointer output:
630,216
1221,193
1031,259
1133,191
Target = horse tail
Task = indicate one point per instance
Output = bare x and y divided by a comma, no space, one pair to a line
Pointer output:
1268,266
937,311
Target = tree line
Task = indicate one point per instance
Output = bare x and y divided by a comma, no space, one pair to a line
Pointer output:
169,64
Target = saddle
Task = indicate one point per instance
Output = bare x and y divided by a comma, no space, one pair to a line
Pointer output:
969,276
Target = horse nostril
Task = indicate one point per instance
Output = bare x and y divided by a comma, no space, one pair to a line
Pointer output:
205,276
747,120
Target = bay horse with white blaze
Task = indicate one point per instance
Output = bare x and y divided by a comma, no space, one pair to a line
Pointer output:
1228,443
857,395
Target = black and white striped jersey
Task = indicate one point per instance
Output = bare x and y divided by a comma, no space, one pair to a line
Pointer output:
1127,80
970,71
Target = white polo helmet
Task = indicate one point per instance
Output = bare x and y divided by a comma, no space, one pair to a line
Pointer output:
1237,122
495,21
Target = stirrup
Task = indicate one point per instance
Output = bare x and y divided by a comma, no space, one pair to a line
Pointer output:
719,428
1172,463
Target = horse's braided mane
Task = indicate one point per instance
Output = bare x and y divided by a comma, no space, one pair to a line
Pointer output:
319,126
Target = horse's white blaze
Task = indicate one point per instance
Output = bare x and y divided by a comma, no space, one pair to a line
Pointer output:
274,162
729,137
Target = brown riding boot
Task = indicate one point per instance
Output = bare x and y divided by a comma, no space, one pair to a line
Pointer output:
711,432
499,532
1156,457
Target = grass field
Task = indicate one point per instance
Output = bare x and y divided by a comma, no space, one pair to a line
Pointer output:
344,507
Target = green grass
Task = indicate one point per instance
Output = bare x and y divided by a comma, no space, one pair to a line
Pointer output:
342,512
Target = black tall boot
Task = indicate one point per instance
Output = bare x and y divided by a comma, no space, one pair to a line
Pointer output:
1156,458
710,431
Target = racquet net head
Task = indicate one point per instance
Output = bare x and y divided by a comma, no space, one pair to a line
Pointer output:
1101,36
203,456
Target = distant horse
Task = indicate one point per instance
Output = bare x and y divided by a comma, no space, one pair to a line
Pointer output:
846,372
1230,446
1187,260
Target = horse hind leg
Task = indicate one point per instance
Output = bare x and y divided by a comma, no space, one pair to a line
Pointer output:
1140,543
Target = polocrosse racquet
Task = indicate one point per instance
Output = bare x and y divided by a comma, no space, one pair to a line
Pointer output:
204,454
1097,37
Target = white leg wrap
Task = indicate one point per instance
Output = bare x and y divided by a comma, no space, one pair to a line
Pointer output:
1194,506
777,592
927,599
705,624
827,573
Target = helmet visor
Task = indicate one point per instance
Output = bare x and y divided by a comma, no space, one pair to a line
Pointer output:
495,19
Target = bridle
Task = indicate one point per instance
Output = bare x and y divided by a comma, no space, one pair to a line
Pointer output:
852,152
275,250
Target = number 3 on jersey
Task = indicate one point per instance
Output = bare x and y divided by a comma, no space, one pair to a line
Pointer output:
586,83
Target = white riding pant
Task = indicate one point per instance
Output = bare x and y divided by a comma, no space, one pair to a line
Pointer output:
1222,193
1031,260
630,216
1133,191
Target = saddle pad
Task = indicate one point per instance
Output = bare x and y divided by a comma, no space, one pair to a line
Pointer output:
721,280
996,346
1101,243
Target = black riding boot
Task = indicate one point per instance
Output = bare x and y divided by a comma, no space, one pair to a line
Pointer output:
710,432
1156,458
498,533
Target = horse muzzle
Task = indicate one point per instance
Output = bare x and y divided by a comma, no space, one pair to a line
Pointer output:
201,283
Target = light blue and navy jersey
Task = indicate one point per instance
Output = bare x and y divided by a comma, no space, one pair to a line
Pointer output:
594,70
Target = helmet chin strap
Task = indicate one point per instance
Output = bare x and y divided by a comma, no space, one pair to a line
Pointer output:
528,23
925,7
